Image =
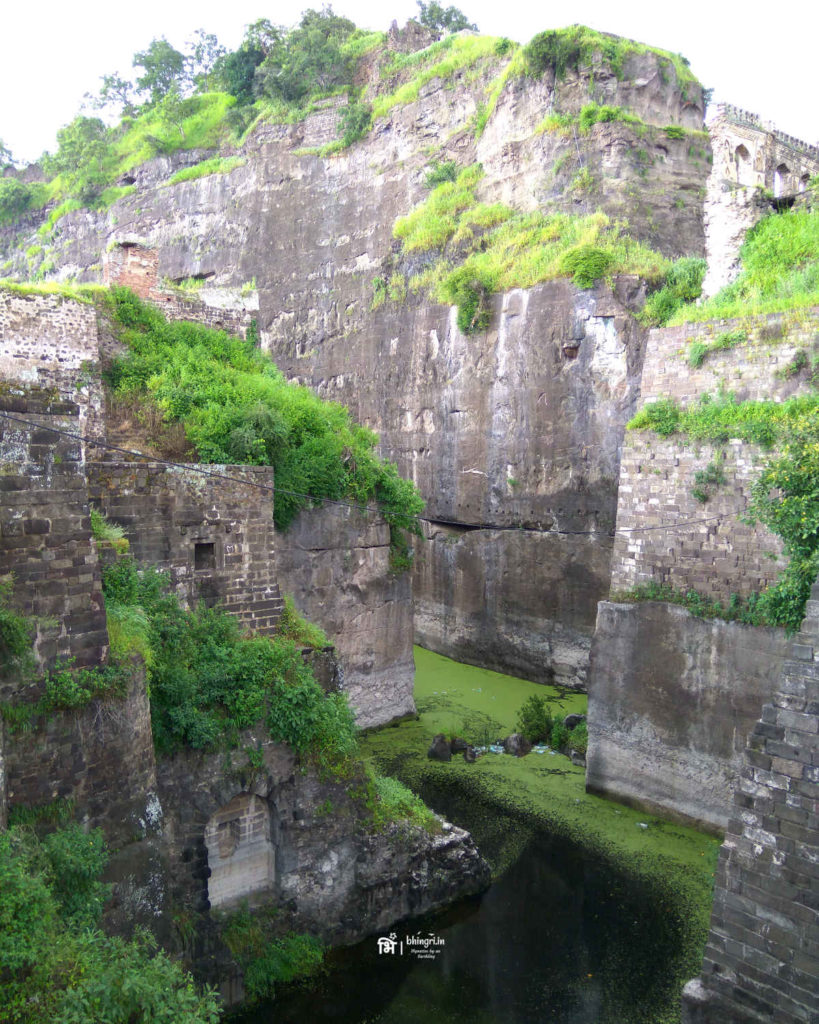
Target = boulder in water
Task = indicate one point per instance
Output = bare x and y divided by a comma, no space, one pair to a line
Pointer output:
439,749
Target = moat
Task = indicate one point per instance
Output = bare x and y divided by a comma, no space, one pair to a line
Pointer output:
568,932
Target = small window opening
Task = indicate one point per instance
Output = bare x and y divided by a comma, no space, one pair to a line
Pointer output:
204,556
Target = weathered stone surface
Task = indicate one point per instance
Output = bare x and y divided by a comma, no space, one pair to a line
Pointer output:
210,527
572,721
439,748
314,855
752,162
334,562
517,745
762,957
672,701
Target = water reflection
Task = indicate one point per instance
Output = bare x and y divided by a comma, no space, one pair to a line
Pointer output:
559,938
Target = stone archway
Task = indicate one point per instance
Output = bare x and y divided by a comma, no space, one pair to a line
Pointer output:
743,165
781,180
241,854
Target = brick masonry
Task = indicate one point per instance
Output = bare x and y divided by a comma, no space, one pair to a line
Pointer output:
721,555
136,267
45,539
211,527
762,958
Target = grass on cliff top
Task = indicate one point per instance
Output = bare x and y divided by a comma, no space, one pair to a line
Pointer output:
575,47
503,800
481,248
440,60
780,271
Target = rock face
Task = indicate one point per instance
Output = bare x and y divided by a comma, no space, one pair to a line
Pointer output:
672,701
513,435
283,835
335,563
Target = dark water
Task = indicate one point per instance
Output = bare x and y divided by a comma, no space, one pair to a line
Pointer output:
558,938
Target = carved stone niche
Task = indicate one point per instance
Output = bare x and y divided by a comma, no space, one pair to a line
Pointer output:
241,854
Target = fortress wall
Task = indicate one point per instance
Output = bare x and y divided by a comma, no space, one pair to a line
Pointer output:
714,551
215,536
762,958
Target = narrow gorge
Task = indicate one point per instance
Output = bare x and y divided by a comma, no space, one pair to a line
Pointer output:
525,280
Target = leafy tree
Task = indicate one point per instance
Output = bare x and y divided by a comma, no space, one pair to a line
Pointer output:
14,197
56,964
117,92
6,159
354,121
82,152
205,52
163,68
443,21
308,58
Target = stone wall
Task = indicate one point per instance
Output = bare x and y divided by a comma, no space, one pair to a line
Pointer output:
135,266
762,958
711,550
52,342
45,540
334,562
317,859
100,756
210,527
752,160
672,701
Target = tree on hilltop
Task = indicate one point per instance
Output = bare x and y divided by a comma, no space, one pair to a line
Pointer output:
443,21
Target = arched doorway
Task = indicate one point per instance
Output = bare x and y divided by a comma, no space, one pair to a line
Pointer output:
781,180
743,166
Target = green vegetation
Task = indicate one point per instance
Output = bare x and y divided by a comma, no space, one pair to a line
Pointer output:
780,271
440,19
85,293
537,723
16,635
294,627
456,53
593,114
783,498
57,964
354,121
216,165
391,802
268,958
506,801
110,533
573,48
485,249
440,172
750,612
237,407
700,350
707,480
208,681
682,283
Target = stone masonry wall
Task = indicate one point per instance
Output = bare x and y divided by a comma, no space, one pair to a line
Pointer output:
45,539
762,958
52,342
135,266
713,551
100,756
214,535
672,701
334,562
752,160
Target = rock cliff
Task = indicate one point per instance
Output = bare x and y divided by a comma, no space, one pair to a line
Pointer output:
512,435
